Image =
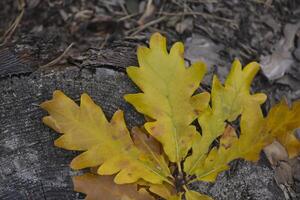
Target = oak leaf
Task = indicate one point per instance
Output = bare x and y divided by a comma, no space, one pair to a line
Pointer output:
256,133
168,87
248,146
282,122
193,195
103,188
107,144
227,103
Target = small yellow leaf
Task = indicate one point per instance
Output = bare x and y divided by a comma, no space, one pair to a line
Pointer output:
248,146
168,86
291,143
253,137
175,197
193,195
256,133
282,122
106,144
103,188
217,159
163,190
150,146
144,141
227,103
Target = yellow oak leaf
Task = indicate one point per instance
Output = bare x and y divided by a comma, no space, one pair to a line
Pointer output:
163,190
247,146
193,195
149,145
167,86
227,103
217,159
144,141
282,122
175,197
256,133
105,144
103,188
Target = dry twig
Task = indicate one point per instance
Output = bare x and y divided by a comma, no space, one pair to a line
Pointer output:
56,60
143,27
205,15
10,31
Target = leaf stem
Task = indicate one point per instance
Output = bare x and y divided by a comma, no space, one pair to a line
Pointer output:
179,168
169,182
192,181
185,188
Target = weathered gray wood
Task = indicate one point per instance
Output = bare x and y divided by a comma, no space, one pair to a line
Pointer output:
32,168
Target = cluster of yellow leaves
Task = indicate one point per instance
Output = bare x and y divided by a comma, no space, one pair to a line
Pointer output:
169,102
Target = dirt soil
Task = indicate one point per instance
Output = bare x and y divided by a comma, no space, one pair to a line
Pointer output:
104,36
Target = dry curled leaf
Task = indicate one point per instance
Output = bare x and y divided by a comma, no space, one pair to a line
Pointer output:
275,153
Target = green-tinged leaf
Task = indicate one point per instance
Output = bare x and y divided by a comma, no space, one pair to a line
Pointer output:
193,195
227,103
163,190
105,144
167,86
175,197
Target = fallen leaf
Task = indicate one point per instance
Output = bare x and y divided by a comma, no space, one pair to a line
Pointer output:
168,86
106,144
275,152
275,65
227,103
217,159
193,195
256,133
163,190
176,197
150,146
282,121
185,25
147,14
284,174
103,188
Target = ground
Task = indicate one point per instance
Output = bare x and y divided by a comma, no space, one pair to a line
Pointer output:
105,36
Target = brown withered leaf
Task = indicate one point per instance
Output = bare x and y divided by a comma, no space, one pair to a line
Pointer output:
103,188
